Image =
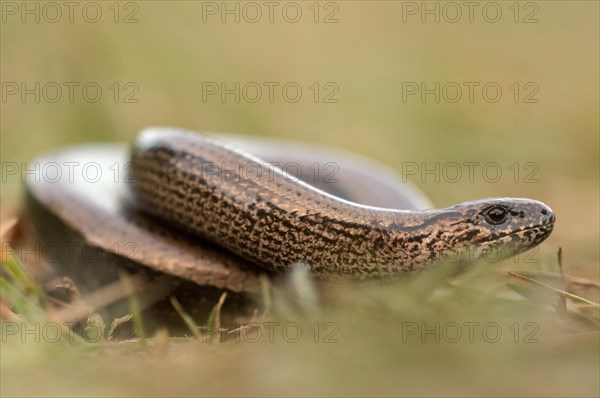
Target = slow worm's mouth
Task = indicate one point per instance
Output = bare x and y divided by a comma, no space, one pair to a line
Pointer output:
513,243
523,239
548,226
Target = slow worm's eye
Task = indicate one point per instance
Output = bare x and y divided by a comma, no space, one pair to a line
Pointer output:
496,215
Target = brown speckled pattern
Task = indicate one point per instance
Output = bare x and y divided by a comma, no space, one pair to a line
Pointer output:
233,199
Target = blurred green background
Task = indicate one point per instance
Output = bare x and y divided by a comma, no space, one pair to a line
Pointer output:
167,50
372,49
368,51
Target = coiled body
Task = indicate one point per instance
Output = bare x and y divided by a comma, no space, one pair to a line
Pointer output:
258,212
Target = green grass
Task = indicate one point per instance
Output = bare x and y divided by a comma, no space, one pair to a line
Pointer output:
429,335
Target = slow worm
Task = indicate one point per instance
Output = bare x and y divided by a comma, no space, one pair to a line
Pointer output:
225,195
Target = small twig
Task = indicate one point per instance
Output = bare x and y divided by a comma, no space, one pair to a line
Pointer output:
561,303
561,269
571,296
110,335
247,326
572,280
98,298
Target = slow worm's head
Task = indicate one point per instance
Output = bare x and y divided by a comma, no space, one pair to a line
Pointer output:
506,224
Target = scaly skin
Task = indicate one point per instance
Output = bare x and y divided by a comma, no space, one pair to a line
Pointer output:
229,197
